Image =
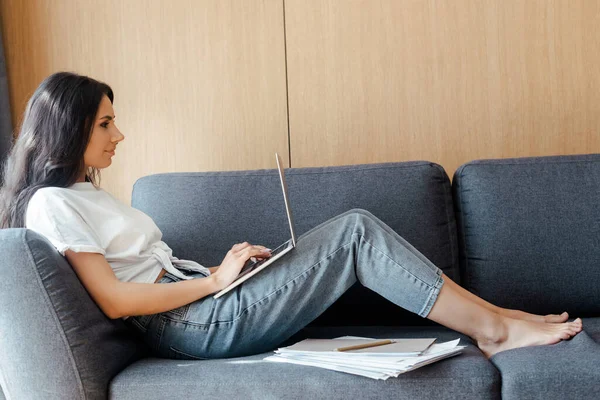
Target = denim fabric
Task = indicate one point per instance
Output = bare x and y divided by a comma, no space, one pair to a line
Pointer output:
202,214
264,311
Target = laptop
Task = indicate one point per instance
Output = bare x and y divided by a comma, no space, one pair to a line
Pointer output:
252,268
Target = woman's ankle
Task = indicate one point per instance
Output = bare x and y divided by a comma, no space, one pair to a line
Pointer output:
493,330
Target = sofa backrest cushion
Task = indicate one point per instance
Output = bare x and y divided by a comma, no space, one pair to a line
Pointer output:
529,232
55,343
202,215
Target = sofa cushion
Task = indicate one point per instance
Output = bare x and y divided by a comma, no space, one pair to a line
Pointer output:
466,376
203,214
55,343
529,232
592,327
567,370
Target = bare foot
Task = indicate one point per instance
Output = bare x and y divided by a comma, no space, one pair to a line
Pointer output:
514,333
550,318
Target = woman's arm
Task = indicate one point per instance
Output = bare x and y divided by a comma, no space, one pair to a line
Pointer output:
119,299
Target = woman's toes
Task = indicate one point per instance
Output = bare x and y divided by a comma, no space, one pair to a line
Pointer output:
575,328
553,318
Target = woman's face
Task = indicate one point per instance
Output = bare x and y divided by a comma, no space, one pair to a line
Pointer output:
104,139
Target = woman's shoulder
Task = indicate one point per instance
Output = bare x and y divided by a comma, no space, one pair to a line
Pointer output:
65,204
75,190
59,197
46,194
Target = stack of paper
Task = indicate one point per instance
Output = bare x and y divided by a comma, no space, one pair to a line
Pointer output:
379,362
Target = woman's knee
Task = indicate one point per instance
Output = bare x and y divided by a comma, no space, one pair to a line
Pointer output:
356,211
363,212
357,216
346,221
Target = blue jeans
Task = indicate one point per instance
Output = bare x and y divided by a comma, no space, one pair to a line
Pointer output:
270,307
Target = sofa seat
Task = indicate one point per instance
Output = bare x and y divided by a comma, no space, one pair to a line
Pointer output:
567,370
467,376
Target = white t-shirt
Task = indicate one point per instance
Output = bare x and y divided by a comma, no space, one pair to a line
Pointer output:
83,218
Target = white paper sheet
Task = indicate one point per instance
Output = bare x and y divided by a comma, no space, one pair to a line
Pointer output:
399,347
331,367
370,366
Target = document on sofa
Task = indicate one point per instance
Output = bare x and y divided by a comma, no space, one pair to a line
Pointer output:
396,347
375,366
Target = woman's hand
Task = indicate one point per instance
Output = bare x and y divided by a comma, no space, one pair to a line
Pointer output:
234,261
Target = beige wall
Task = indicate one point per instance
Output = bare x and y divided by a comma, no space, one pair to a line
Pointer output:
447,81
201,85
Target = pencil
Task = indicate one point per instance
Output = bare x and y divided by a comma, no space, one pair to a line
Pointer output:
365,345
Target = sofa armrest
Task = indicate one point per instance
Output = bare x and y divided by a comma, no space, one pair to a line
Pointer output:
54,341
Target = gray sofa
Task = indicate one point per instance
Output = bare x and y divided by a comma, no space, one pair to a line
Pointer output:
522,233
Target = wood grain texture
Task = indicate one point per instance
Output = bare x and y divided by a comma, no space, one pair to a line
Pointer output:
199,84
447,81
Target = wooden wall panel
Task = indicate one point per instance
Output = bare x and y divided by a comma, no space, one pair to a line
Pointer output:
199,84
446,80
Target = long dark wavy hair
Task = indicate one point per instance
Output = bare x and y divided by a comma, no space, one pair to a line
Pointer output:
48,151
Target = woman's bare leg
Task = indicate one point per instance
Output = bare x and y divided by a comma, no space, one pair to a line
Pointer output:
493,331
515,314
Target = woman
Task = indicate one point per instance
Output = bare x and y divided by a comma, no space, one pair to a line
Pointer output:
51,186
